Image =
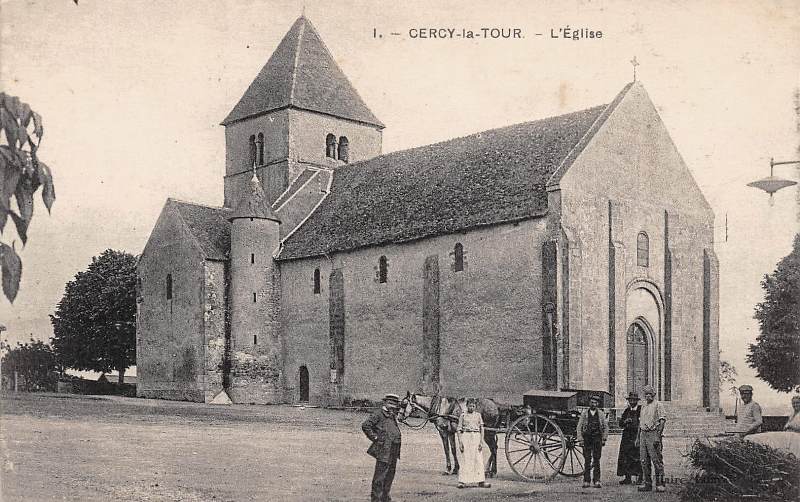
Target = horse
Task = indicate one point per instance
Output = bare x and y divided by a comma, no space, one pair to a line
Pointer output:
447,423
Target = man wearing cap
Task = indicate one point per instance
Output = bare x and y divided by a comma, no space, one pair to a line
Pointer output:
652,418
381,428
748,419
593,428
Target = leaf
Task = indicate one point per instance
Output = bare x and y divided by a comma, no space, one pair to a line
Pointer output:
45,176
38,130
10,125
11,266
25,115
22,135
11,176
3,218
22,226
24,194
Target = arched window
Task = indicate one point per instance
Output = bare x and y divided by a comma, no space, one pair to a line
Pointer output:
642,250
344,149
330,146
383,269
169,286
260,148
252,146
458,257
316,281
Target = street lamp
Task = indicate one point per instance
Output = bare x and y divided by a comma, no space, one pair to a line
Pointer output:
772,183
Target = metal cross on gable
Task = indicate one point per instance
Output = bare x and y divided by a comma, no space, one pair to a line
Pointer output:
634,63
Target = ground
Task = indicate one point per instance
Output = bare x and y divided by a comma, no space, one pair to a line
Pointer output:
60,447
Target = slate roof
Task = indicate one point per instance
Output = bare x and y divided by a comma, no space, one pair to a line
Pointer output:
302,73
254,204
208,225
487,178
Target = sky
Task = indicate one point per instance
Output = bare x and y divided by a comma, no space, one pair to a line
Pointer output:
132,94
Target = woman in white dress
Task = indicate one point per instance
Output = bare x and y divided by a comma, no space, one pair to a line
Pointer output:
470,443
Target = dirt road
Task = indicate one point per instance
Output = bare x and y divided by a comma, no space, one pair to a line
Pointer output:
58,447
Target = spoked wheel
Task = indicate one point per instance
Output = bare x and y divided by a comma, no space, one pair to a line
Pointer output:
573,464
535,448
416,419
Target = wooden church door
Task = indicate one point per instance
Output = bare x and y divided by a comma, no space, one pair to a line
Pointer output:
303,384
638,358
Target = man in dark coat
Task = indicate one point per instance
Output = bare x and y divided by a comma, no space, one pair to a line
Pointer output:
381,428
628,462
593,428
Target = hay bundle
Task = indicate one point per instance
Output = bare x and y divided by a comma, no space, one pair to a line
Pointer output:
736,469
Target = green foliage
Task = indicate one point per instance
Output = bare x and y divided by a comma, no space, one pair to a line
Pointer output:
94,323
21,175
776,354
35,364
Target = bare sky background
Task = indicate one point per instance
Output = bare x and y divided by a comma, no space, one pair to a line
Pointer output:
132,93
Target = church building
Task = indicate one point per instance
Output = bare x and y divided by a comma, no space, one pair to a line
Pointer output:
573,251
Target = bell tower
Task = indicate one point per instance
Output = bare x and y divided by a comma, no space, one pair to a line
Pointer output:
301,111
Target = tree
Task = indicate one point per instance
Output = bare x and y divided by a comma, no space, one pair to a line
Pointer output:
35,363
21,175
93,326
776,354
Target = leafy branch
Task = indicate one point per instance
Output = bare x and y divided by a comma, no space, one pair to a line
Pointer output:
21,175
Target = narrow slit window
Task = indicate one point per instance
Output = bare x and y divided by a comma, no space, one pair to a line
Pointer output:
252,258
255,339
169,286
383,269
458,257
260,145
344,149
254,297
316,282
252,146
642,250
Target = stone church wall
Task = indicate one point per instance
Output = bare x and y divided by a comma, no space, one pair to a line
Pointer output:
627,180
214,319
170,333
489,315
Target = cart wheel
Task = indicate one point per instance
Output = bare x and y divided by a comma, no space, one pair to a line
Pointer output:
573,464
535,448
416,419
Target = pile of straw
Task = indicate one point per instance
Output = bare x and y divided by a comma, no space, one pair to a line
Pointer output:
736,469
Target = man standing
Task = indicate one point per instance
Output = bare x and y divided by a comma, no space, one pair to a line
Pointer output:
381,428
651,428
748,420
593,428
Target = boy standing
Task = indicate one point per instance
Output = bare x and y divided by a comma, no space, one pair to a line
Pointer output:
593,428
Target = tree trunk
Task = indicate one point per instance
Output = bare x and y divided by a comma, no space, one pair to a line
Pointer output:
121,372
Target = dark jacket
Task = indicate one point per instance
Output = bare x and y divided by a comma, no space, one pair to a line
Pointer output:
381,428
583,423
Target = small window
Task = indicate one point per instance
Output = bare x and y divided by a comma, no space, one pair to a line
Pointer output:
383,269
252,145
316,282
260,145
642,250
252,258
255,339
344,149
330,146
254,298
169,286
458,257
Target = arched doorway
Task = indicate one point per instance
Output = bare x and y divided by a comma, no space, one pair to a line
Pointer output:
639,348
303,384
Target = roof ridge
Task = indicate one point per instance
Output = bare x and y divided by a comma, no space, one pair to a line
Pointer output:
181,201
456,138
297,57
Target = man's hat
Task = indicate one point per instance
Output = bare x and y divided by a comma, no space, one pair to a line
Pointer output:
392,399
648,389
633,395
595,397
746,388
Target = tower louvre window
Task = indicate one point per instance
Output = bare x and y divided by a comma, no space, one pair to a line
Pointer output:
458,257
642,250
169,286
260,148
344,149
252,146
330,146
316,282
383,269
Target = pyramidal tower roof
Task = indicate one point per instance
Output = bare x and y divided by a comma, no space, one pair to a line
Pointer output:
254,204
302,73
